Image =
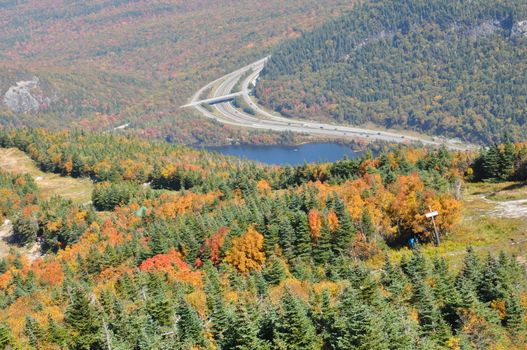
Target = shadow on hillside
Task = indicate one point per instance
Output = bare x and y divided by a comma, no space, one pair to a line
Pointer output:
515,186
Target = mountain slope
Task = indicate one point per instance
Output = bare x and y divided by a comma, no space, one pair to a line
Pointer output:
106,63
249,256
445,67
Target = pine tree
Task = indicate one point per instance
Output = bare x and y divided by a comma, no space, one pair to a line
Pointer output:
5,337
416,267
491,285
123,324
471,270
401,330
33,331
506,161
445,292
25,230
363,281
366,223
322,253
190,328
126,287
491,163
515,315
83,322
363,327
3,266
327,323
294,330
394,280
342,237
430,320
243,332
272,239
55,333
275,271
216,306
302,243
286,234
158,305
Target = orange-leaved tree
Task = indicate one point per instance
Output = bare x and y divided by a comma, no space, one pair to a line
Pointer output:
246,253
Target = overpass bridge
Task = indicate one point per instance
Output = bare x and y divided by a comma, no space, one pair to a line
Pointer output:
217,99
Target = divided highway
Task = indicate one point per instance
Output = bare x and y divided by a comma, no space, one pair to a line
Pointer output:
221,95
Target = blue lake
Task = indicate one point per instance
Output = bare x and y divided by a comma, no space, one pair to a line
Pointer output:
292,155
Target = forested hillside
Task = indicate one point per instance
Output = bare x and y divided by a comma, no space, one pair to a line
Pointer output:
200,251
453,68
104,63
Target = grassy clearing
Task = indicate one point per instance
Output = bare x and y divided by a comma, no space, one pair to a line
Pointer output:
481,227
505,191
16,161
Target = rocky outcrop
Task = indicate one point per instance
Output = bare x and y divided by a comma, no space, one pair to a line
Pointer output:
26,97
484,29
519,29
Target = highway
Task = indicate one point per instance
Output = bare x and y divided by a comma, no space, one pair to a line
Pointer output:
221,95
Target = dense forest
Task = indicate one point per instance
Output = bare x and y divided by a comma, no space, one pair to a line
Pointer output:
185,249
453,68
106,63
500,162
245,256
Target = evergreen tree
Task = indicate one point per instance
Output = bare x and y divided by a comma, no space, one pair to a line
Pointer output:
3,266
33,331
55,333
274,273
328,324
25,230
363,281
287,236
491,286
401,330
445,292
215,305
294,330
394,280
515,315
5,337
491,163
471,270
322,252
366,224
272,240
342,237
190,328
243,332
416,267
158,305
432,324
506,161
363,327
83,322
302,244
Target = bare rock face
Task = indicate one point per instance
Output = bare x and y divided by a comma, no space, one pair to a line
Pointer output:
26,97
484,29
519,29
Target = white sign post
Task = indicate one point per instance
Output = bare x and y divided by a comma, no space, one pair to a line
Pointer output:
431,215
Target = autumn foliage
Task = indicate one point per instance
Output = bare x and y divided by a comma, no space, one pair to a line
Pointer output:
164,262
246,253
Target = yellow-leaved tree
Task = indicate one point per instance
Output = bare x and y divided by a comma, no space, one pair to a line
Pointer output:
246,253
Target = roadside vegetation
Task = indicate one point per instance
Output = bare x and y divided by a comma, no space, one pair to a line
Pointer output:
240,103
